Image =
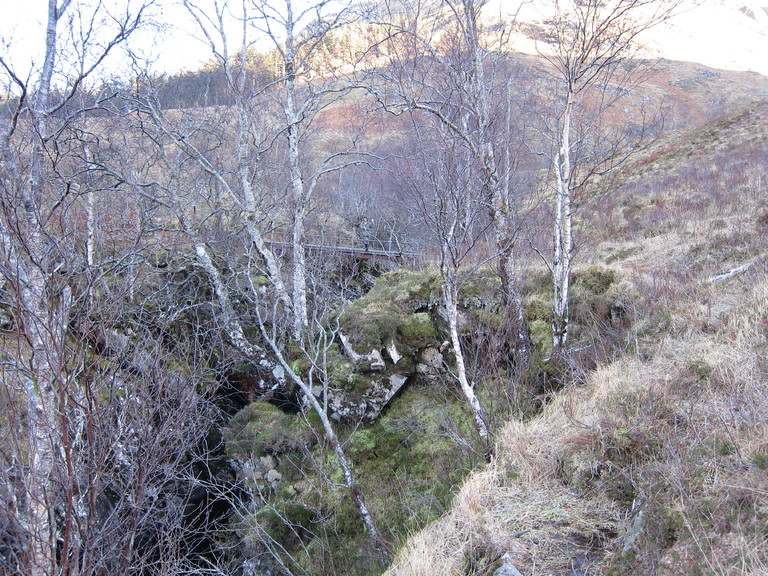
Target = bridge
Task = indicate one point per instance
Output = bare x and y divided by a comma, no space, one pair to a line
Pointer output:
329,246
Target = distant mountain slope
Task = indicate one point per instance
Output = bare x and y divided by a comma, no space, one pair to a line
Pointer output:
715,169
724,34
657,462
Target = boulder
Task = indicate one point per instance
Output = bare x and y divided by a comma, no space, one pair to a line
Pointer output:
507,568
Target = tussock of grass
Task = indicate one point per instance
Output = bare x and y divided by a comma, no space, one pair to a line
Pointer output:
655,462
680,436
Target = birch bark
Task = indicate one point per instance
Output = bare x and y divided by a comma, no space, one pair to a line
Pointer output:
563,231
45,325
589,43
298,189
35,260
450,299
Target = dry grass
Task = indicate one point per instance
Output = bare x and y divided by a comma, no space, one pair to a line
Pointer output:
494,515
680,434
658,463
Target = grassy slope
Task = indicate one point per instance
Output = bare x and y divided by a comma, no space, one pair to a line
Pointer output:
657,464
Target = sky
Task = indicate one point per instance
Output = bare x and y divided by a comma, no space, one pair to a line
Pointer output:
170,43
720,34
716,34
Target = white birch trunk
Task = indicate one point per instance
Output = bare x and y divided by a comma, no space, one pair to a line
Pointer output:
298,190
45,327
590,42
38,379
90,226
349,477
450,299
563,232
251,206
231,325
502,205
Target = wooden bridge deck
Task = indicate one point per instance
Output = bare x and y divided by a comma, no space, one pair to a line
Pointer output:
351,251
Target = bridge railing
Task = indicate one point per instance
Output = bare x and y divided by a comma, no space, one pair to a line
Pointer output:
379,244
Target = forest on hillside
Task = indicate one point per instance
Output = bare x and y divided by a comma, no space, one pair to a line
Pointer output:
212,364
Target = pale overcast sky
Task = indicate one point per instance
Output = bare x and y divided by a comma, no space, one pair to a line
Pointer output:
22,34
717,34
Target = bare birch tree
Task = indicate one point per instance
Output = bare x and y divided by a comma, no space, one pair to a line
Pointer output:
269,353
444,184
35,190
590,45
443,62
273,140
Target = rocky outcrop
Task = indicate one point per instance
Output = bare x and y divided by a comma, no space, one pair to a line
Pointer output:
376,378
391,336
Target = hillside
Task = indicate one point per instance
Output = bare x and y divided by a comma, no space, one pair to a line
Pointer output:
655,462
310,310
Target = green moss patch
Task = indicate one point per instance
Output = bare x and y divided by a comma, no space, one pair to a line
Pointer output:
261,428
417,330
408,464
385,313
595,279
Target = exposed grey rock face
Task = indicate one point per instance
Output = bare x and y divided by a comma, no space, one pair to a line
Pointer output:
635,529
393,353
371,402
430,362
373,360
273,477
507,568
378,378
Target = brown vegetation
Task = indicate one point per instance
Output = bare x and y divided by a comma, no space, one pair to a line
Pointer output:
656,464
159,272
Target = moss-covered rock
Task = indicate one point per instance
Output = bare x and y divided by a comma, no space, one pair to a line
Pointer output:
261,428
417,330
411,459
382,333
374,320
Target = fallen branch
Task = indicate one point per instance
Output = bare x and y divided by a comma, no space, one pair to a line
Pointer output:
731,273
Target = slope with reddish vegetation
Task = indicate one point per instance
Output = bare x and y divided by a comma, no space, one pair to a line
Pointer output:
655,462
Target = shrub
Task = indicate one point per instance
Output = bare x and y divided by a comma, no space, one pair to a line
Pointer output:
538,308
760,459
595,279
540,333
